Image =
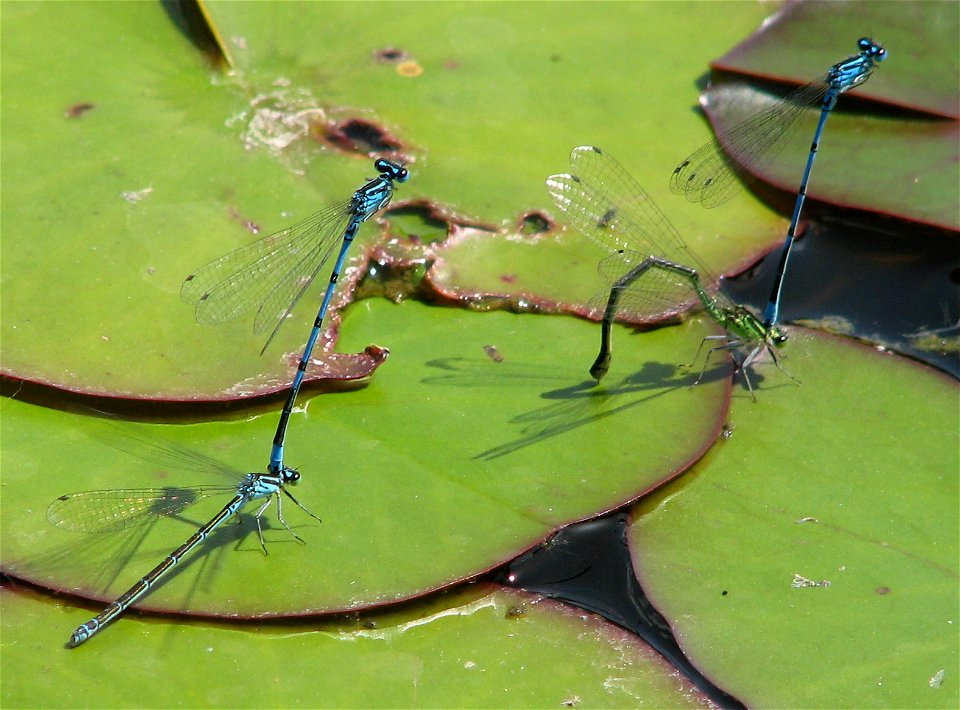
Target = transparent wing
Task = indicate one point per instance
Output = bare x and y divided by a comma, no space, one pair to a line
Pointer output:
106,511
654,296
289,289
168,454
244,279
716,172
279,303
612,210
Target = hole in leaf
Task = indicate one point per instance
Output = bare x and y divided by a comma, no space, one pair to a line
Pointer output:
357,135
390,55
534,223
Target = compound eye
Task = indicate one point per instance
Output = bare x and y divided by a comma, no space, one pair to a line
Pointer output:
864,44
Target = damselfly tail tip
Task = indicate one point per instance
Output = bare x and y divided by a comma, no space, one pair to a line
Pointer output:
599,368
77,638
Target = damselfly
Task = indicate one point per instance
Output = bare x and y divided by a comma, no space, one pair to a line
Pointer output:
272,274
115,510
605,203
709,176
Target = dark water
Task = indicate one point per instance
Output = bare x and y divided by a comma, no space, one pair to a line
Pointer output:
589,566
898,289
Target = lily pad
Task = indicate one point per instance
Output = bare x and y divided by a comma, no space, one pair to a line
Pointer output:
481,647
460,456
821,536
117,202
920,189
910,157
921,37
127,185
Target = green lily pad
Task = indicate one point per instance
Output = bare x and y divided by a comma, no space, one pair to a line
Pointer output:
855,146
127,181
910,158
116,203
921,38
535,93
820,537
480,436
481,647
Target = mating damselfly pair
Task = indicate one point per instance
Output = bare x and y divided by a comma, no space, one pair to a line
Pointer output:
269,275
651,270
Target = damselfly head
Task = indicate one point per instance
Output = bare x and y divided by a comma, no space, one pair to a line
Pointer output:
777,337
390,170
289,475
871,49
